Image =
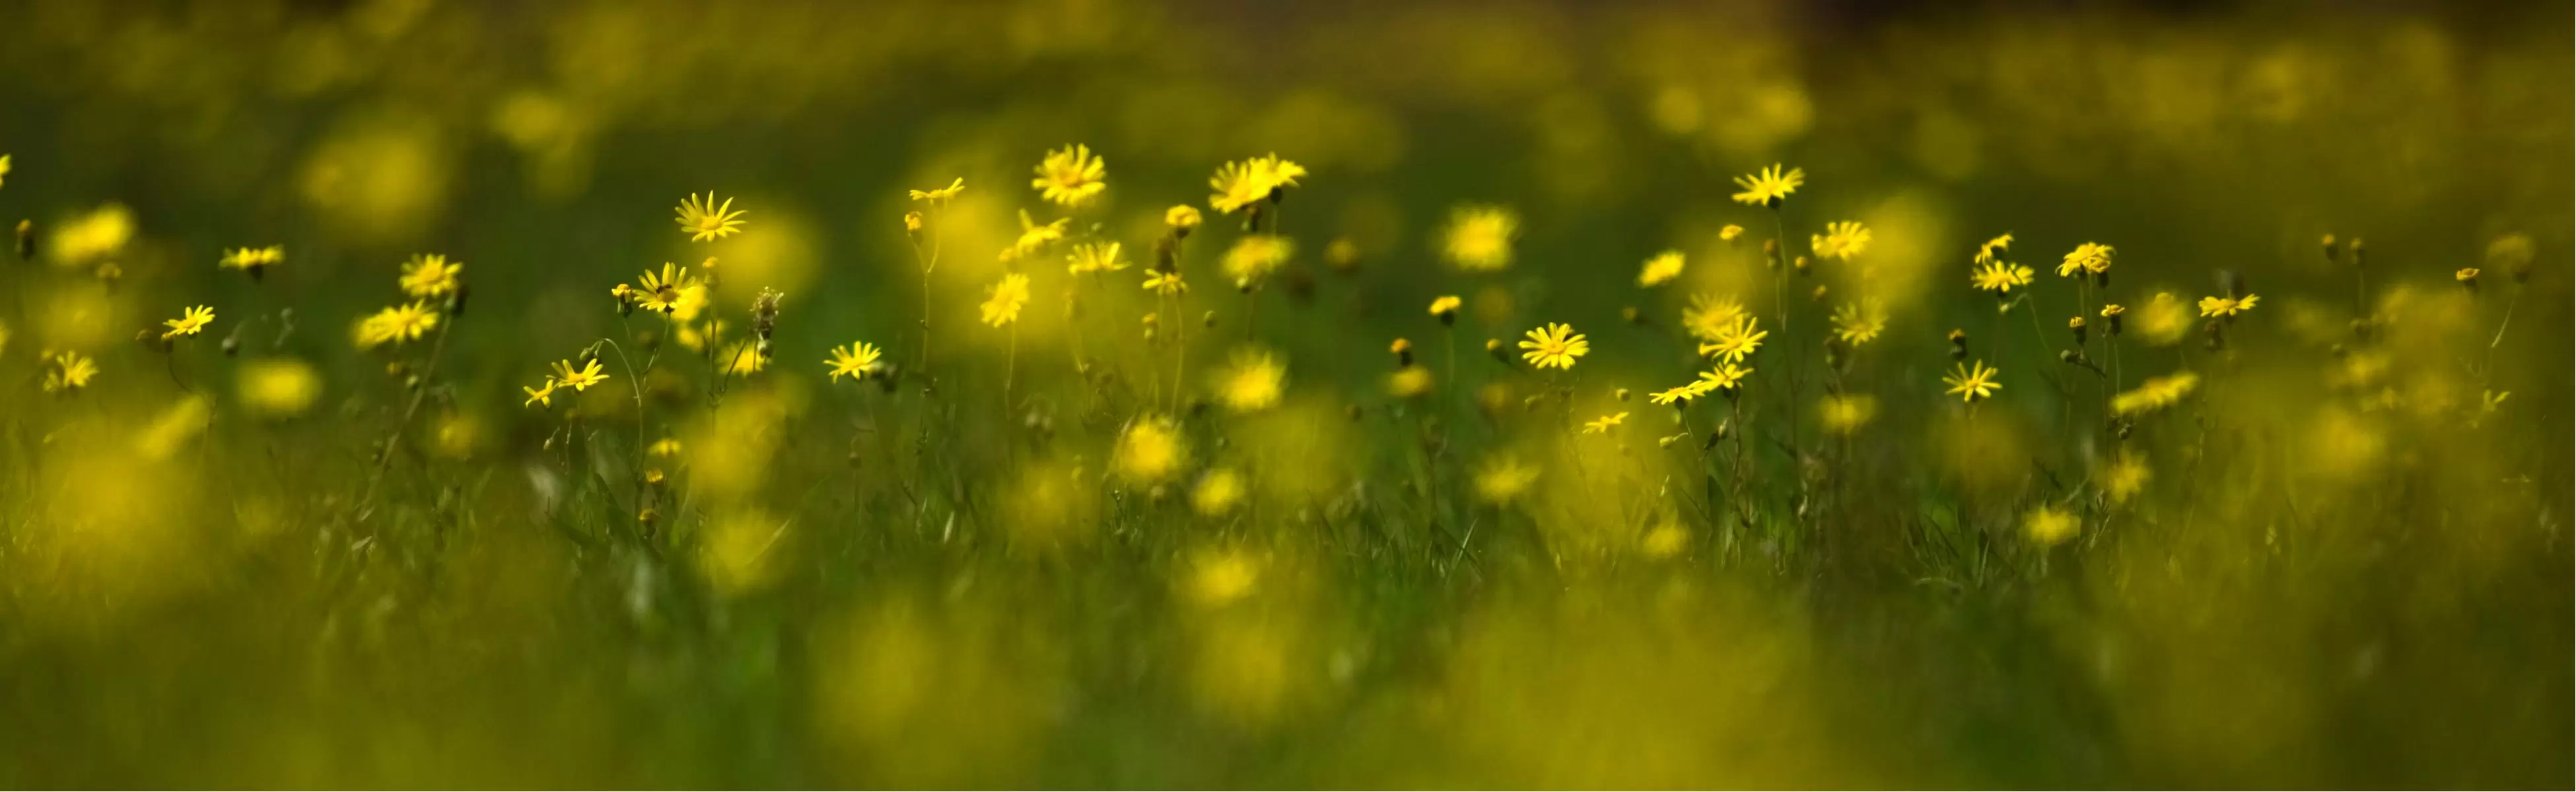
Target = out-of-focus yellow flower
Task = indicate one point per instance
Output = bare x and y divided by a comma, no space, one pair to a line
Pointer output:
2125,478
1986,252
2468,275
1971,384
1604,424
1182,217
2093,257
1151,450
1730,233
1841,241
743,358
1555,345
1678,395
1847,413
703,219
734,552
2163,320
665,447
93,236
1218,577
856,360
430,275
1725,376
397,324
1769,186
1002,306
942,195
1735,341
1094,257
68,371
4,169
1504,478
1861,322
1257,255
189,322
579,379
176,426
1479,237
1071,176
1240,184
278,387
1253,383
1165,283
1709,316
1445,308
2155,394
1034,237
456,435
1662,268
2049,526
2513,254
1217,492
2226,306
252,260
1409,382
2000,277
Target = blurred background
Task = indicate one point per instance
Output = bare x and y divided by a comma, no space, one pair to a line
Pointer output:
221,638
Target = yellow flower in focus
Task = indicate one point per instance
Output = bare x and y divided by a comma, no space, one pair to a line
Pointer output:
1841,241
662,292
1217,492
1604,424
2049,526
542,394
1071,176
1709,316
856,360
703,219
1241,184
252,259
1256,255
1253,383
68,371
2090,257
1164,283
189,322
579,379
1735,341
1151,450
1555,345
2226,306
1861,322
1971,384
1094,257
1846,413
1503,479
1003,306
1445,307
1726,376
943,194
1479,237
1770,186
1034,237
2000,277
1662,268
430,275
278,387
2125,478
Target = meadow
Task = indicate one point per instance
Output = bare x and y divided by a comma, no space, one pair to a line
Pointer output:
1106,393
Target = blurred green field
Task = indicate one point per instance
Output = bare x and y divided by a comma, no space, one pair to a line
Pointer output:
1289,528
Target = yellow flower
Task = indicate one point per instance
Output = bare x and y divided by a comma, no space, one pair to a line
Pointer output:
1409,382
1986,252
1972,384
1094,257
4,168
1183,217
397,324
1859,323
1675,395
1768,187
1165,282
542,394
1555,346
68,371
1846,413
1034,237
2112,310
1736,341
93,236
857,360
2000,277
1479,237
943,194
663,292
1841,241
1003,307
252,259
1604,424
1726,376
430,275
1217,492
1709,316
279,386
189,322
2125,478
1151,450
2466,275
665,447
2163,320
1253,383
1445,307
2155,394
1071,176
578,379
1256,255
2226,306
1662,268
1503,478
703,219
1730,233
2091,257
1240,184
2049,525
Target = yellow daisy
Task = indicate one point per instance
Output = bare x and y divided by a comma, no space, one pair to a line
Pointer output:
1859,323
189,322
1674,395
2091,257
1726,376
1986,252
1555,346
2000,277
1094,257
857,360
1972,384
430,275
665,291
2226,306
1604,424
252,259
1071,176
68,371
1710,315
579,379
398,324
703,219
1841,241
1003,307
1241,184
543,394
1034,237
943,194
1182,217
1164,282
1770,186
1736,341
